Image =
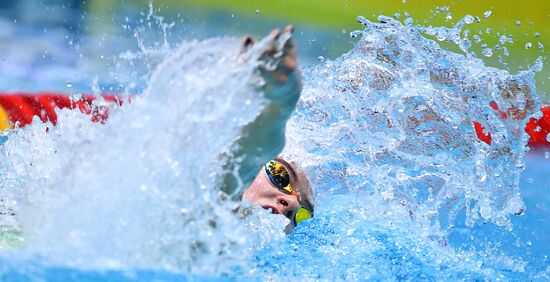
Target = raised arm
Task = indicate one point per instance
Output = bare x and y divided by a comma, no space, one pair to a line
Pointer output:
264,138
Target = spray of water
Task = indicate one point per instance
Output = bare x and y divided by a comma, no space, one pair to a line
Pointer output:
395,116
140,191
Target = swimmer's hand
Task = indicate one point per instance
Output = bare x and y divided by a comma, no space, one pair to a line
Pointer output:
277,65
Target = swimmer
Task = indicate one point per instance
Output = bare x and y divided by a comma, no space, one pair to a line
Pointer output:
279,186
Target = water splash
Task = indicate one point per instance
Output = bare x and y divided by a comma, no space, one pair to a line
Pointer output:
394,116
138,192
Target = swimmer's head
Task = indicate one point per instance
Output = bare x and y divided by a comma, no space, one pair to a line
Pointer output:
283,188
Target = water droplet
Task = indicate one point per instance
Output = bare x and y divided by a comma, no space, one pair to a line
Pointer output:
466,43
487,52
488,30
408,21
548,137
344,31
257,11
537,129
520,212
487,14
468,19
355,33
502,39
449,16
397,15
547,155
478,20
440,9
362,20
528,45
505,51
321,58
541,46
520,164
441,36
518,23
69,84
477,39
537,34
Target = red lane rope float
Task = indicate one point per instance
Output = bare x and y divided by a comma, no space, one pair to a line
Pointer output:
480,132
539,129
18,109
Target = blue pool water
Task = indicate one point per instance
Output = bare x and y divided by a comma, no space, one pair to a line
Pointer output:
404,189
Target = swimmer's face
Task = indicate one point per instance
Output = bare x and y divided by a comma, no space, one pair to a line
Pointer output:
264,194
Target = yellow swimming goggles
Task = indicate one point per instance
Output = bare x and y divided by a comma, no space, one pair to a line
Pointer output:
280,177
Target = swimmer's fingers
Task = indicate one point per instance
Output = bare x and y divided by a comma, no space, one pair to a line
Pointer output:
271,46
288,60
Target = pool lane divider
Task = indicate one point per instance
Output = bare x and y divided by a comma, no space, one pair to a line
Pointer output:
19,109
